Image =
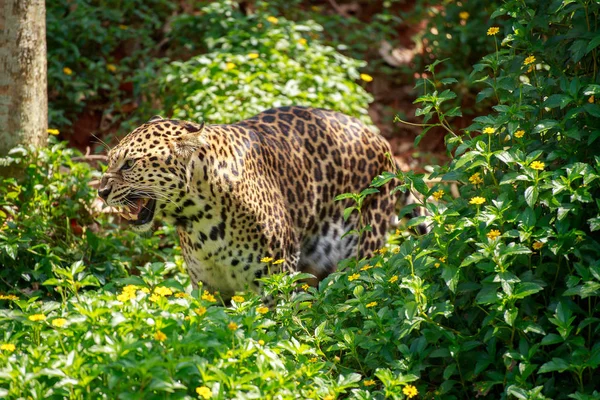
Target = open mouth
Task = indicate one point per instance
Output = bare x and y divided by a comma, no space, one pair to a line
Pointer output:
141,210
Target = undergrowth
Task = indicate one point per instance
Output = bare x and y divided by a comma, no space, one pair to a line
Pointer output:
499,300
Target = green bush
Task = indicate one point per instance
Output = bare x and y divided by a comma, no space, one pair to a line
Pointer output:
96,48
499,300
503,294
255,62
48,224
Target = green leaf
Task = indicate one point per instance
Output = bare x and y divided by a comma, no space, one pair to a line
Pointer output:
592,44
348,212
369,191
525,289
451,276
344,196
416,221
545,125
531,195
592,90
557,364
447,81
594,223
592,109
556,100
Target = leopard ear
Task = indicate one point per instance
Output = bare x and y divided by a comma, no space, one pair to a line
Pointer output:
155,118
190,141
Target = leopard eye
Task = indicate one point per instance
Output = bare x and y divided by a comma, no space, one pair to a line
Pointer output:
128,164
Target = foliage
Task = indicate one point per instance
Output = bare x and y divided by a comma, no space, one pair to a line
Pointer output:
47,223
97,49
254,62
499,300
504,291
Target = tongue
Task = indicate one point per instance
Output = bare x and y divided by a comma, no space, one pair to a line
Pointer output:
135,209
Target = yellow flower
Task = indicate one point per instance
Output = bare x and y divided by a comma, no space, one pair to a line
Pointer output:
154,298
261,342
53,132
229,66
366,77
130,288
163,291
477,200
538,245
439,194
410,391
305,287
437,265
366,268
353,277
200,310
8,297
280,261
204,392
302,41
372,304
145,290
181,295
369,382
396,250
266,259
208,297
475,179
488,130
529,60
232,326
253,56
464,15
8,347
59,322
111,67
313,360
124,27
493,30
238,299
520,133
493,234
262,310
329,396
272,20
161,337
537,165
37,317
67,71
591,99
530,69
393,279
443,259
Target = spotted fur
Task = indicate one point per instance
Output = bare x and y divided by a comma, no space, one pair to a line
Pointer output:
261,187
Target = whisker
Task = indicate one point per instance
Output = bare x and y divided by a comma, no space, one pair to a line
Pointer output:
102,142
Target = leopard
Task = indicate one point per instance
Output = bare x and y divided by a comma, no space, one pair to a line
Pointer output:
258,196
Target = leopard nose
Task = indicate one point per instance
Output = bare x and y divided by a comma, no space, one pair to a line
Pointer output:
104,192
104,189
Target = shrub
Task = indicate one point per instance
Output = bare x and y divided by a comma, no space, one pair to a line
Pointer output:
255,62
49,228
96,49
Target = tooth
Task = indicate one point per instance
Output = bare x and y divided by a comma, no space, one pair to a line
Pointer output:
133,216
124,215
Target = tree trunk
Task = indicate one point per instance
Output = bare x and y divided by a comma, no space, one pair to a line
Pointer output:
23,80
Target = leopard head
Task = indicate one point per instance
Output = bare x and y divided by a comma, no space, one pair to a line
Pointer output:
148,170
